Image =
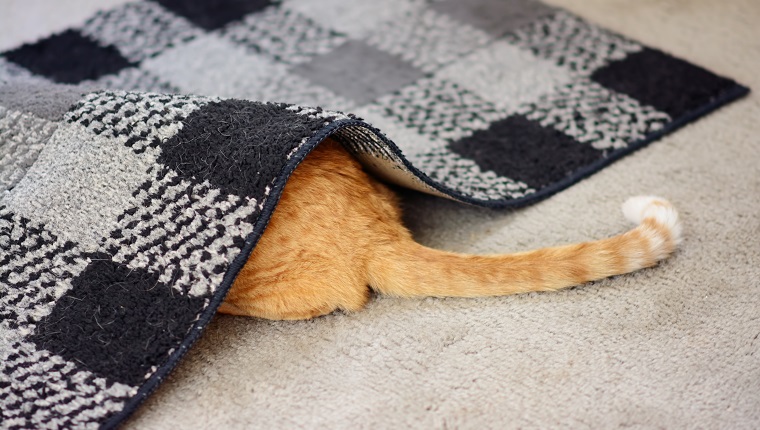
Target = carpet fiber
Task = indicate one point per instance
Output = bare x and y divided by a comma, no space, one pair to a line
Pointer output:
586,95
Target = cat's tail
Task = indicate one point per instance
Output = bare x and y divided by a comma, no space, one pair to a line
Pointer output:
418,271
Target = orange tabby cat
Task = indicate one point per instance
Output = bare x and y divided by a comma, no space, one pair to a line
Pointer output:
337,232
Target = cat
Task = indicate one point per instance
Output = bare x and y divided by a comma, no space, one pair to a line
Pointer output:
337,233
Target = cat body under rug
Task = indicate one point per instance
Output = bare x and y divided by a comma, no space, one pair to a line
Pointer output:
337,233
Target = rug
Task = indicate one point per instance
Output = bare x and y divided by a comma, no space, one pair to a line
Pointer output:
127,214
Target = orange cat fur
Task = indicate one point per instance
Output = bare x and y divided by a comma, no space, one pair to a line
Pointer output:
337,233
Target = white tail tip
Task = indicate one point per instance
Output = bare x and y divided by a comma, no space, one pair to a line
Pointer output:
639,208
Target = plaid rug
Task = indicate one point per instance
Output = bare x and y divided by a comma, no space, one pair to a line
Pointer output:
128,206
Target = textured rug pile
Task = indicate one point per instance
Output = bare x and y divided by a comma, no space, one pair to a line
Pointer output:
144,151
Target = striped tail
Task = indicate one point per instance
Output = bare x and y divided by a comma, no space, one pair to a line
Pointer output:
412,270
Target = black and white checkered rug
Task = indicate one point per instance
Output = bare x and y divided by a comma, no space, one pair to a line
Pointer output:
126,212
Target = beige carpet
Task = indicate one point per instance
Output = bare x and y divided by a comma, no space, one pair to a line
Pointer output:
677,346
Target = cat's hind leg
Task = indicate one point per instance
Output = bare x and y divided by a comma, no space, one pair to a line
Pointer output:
296,298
